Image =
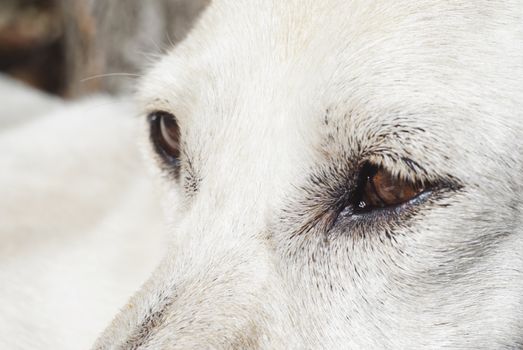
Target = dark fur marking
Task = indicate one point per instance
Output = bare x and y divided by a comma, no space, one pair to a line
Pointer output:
151,323
191,181
413,165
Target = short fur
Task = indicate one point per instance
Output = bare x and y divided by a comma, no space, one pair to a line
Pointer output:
279,103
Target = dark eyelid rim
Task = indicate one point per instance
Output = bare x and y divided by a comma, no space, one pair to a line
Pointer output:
335,202
416,200
400,212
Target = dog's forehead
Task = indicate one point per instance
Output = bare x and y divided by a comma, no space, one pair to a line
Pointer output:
380,64
378,40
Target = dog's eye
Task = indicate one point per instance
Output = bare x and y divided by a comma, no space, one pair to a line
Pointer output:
165,135
377,188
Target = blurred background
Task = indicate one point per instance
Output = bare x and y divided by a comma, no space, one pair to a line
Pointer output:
72,48
81,217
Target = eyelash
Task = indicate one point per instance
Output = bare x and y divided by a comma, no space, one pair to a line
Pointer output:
342,214
349,207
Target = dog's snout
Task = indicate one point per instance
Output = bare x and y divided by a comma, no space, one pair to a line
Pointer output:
209,282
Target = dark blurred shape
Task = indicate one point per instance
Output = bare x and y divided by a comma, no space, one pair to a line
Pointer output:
31,45
76,47
109,43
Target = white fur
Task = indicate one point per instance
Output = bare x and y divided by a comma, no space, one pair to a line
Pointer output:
80,229
21,104
253,88
272,94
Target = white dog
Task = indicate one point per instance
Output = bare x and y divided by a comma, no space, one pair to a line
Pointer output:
337,175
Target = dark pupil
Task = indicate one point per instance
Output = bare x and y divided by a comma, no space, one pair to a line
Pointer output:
377,188
165,135
364,198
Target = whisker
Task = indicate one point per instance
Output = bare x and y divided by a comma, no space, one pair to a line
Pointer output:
170,40
110,75
149,57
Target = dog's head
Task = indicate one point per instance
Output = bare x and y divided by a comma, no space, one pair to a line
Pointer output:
337,174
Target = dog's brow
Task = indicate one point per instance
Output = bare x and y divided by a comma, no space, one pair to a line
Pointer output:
169,92
392,141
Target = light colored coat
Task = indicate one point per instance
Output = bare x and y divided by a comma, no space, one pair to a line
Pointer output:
279,104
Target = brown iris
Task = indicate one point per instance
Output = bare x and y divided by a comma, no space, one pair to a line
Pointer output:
378,188
165,135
